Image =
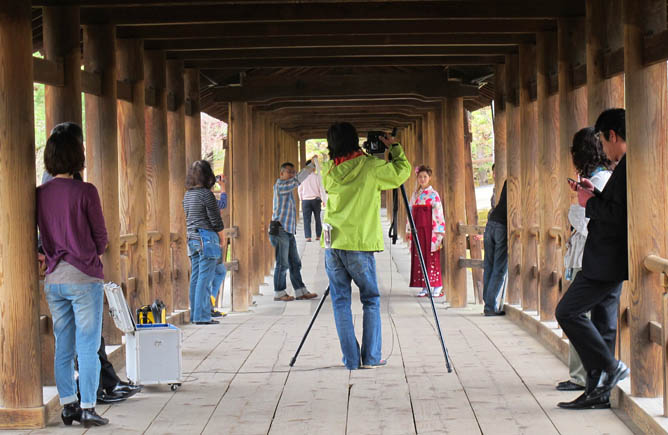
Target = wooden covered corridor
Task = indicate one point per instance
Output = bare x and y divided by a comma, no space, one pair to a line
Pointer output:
281,72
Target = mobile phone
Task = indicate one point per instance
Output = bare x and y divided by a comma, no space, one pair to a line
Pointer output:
596,192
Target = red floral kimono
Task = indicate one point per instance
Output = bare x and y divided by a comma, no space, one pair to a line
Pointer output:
427,211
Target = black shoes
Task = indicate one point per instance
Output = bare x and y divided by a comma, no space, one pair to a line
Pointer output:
126,389
588,401
495,313
610,379
105,398
71,412
91,418
210,322
569,386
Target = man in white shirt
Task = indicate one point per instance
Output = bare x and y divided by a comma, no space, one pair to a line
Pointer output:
312,196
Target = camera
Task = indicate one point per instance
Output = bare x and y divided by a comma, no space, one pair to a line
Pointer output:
373,144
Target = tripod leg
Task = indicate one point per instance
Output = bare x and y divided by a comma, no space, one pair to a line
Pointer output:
317,310
426,276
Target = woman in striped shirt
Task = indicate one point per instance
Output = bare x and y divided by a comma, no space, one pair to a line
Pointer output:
203,222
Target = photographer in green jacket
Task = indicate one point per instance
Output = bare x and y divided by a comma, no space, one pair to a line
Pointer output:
353,181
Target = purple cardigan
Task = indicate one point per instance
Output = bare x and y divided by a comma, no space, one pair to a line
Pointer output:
71,225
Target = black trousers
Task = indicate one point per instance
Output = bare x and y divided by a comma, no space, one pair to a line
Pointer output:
311,206
593,339
108,377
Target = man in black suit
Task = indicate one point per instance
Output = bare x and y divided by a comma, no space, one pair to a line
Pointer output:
604,267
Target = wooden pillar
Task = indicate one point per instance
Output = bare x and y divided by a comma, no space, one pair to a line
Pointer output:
62,43
176,145
157,176
193,121
529,177
514,188
132,169
102,150
240,192
549,183
475,246
647,163
254,217
456,199
20,377
603,33
572,113
499,125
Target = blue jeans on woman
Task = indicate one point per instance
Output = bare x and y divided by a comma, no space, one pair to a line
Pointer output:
201,277
76,310
495,264
360,267
218,278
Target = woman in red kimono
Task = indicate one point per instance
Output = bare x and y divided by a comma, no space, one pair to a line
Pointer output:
427,211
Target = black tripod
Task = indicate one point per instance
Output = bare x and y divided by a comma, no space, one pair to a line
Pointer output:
424,274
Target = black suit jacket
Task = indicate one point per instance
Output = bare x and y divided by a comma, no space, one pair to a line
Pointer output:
605,255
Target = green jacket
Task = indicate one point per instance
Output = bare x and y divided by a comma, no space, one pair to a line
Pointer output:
353,198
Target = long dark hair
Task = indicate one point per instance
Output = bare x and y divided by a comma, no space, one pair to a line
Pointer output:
587,152
200,174
342,139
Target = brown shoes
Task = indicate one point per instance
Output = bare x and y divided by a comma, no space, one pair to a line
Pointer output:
307,296
285,298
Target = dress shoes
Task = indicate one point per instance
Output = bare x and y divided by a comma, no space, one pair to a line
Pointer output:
569,386
91,418
105,398
126,389
210,322
495,313
71,412
588,401
307,296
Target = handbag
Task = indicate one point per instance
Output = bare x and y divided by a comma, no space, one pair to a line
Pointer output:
210,243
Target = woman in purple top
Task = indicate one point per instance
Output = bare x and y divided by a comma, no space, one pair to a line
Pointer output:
73,234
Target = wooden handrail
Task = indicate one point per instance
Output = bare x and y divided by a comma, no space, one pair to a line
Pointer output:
128,240
557,234
231,232
534,231
470,229
657,264
174,237
655,330
470,263
517,232
154,236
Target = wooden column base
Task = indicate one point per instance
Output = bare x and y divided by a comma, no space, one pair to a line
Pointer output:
23,418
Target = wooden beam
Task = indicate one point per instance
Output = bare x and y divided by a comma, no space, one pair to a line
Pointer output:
646,135
20,377
428,85
193,116
341,40
453,109
309,12
176,148
549,185
132,167
157,174
529,177
102,145
369,27
655,48
475,245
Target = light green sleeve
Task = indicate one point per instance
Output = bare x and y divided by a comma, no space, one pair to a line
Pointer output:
390,175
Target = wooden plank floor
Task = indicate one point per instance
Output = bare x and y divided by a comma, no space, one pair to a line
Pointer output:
237,378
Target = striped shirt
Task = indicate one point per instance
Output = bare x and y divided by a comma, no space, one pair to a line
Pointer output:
285,210
202,211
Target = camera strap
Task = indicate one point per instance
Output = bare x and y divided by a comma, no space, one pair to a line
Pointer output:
395,208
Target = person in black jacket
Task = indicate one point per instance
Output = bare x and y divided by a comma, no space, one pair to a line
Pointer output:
496,256
604,267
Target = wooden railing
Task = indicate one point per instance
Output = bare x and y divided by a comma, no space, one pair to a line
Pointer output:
658,331
464,230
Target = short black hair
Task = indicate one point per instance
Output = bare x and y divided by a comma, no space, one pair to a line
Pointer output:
587,152
342,139
286,165
308,162
200,174
64,151
612,119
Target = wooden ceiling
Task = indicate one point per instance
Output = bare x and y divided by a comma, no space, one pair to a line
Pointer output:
312,62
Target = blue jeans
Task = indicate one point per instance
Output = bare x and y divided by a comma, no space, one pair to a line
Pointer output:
311,206
359,266
201,277
77,325
495,264
287,258
218,278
